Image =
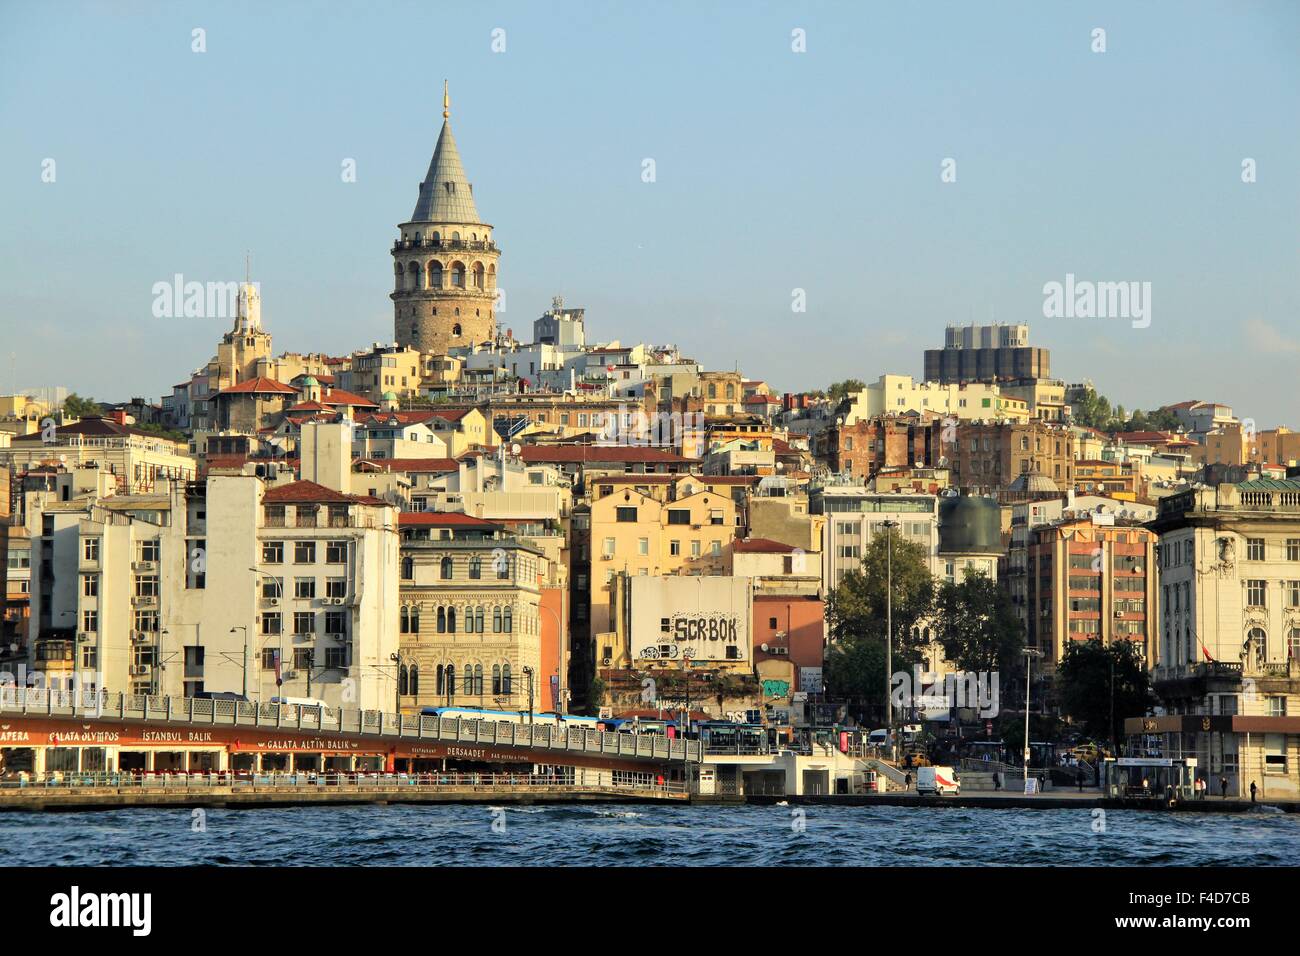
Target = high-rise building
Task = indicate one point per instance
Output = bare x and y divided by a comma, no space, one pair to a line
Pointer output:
986,353
445,262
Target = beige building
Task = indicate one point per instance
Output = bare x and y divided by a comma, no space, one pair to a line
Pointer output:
137,460
469,616
1230,631
899,394
226,585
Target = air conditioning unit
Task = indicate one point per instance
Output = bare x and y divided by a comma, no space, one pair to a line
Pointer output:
139,670
84,637
140,636
605,661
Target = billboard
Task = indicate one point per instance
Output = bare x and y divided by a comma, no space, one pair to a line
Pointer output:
701,618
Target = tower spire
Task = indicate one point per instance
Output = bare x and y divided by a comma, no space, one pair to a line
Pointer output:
446,101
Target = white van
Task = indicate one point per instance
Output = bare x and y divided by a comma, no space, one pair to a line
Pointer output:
937,780
878,738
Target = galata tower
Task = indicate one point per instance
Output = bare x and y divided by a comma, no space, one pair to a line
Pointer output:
445,262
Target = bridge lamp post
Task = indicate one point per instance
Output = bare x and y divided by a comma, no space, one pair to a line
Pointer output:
1030,653
244,656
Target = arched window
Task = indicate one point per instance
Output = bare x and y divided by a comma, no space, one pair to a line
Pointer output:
451,620
503,567
414,611
408,569
412,276
478,620
469,678
434,272
436,238
478,275
415,680
509,619
1293,645
445,569
438,676
505,681
496,620
442,620
458,275
401,680
475,568
398,276
455,329
478,679
405,616
496,679
492,278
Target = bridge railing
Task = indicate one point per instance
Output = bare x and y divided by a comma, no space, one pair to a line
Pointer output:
616,781
192,710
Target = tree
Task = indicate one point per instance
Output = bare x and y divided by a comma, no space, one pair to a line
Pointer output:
74,406
856,613
857,608
977,625
841,390
1084,683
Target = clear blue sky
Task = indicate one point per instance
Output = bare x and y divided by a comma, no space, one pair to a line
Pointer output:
775,170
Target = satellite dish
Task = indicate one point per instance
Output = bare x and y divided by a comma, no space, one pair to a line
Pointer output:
515,449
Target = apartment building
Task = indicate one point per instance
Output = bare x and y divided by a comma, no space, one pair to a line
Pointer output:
470,617
221,585
1087,576
900,394
991,456
137,460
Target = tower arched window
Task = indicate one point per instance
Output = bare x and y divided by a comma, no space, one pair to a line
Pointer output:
492,277
412,276
455,329
458,275
436,239
478,275
435,274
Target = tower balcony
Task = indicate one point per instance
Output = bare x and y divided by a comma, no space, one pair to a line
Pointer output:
445,245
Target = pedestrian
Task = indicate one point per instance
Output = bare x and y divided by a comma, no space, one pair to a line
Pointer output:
907,782
1252,791
1081,781
1223,787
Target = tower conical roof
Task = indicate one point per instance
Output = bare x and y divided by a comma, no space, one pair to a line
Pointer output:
445,194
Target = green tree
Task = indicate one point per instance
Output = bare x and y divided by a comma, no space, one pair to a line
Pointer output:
855,669
857,608
977,625
74,406
841,390
1088,675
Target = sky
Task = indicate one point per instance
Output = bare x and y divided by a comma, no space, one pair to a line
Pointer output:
775,170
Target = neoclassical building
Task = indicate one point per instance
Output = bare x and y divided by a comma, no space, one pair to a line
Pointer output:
445,262
468,618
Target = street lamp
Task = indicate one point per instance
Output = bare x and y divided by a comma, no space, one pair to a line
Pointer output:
528,672
241,627
279,603
889,527
1030,653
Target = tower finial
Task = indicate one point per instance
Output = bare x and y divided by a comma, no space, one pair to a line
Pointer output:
446,101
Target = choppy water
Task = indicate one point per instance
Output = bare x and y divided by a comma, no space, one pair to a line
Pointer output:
647,835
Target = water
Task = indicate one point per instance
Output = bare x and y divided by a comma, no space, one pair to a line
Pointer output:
648,835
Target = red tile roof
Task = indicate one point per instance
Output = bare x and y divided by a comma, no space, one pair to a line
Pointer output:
259,385
305,492
336,396
443,519
406,464
565,454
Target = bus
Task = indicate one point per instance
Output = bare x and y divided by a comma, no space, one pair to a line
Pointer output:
642,725
719,736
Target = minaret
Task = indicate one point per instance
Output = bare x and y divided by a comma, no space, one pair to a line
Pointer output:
445,262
